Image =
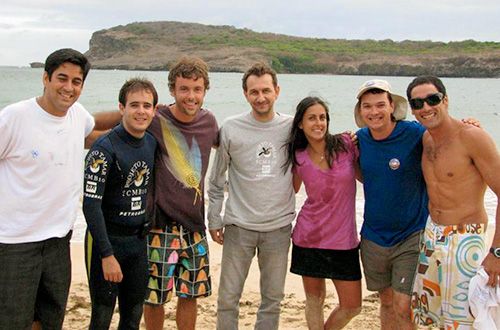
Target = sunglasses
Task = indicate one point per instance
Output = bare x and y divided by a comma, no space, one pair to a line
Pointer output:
431,100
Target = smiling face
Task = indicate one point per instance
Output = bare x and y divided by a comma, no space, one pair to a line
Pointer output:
138,112
261,93
429,116
375,110
188,94
62,89
314,123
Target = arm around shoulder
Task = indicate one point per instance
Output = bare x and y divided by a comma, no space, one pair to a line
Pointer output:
104,121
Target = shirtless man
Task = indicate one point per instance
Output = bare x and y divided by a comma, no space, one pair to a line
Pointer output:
459,161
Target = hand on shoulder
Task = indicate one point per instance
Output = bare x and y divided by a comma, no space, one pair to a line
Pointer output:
474,137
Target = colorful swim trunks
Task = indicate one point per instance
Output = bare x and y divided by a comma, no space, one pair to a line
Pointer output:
180,258
449,257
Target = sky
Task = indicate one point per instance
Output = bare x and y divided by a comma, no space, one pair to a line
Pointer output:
30,30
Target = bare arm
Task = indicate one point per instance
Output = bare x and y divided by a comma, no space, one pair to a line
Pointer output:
297,182
92,137
104,121
486,158
357,160
357,171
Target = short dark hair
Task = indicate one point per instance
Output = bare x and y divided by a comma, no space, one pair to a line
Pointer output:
259,69
190,67
60,56
134,85
377,91
422,80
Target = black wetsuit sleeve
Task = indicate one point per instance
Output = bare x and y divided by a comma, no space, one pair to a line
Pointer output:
97,166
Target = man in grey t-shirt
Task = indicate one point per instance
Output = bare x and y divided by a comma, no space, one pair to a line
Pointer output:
260,205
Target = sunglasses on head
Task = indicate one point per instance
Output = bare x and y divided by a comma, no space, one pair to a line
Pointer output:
433,99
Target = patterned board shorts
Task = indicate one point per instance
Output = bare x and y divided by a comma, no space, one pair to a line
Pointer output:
449,258
180,258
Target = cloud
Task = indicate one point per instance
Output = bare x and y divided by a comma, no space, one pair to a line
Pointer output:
31,29
27,45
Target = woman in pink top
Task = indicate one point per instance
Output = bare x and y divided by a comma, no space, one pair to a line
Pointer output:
325,239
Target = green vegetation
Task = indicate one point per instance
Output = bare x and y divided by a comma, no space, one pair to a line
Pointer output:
290,54
275,43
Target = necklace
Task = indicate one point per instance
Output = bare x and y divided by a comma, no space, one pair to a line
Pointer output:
321,155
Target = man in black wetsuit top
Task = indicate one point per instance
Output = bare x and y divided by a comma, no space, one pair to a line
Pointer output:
118,172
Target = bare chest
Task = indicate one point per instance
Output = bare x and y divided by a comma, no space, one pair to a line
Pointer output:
446,161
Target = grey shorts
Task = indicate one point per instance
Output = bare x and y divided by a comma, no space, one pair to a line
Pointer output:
393,266
34,283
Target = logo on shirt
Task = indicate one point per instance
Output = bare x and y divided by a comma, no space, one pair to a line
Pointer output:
138,175
91,187
136,203
266,158
265,150
96,162
35,154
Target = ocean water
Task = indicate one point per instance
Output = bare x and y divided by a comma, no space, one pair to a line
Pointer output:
478,98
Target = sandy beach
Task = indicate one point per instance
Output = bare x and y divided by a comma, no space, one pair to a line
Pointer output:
292,314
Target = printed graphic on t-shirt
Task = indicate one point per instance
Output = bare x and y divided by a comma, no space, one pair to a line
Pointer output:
183,162
265,159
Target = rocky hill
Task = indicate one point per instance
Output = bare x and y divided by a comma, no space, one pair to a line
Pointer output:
156,45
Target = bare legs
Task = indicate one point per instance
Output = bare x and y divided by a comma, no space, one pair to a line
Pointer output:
185,317
187,310
394,310
349,293
315,291
154,316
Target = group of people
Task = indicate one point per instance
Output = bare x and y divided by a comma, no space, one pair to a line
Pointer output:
422,239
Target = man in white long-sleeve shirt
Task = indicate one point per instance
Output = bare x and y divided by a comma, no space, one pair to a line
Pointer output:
260,205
